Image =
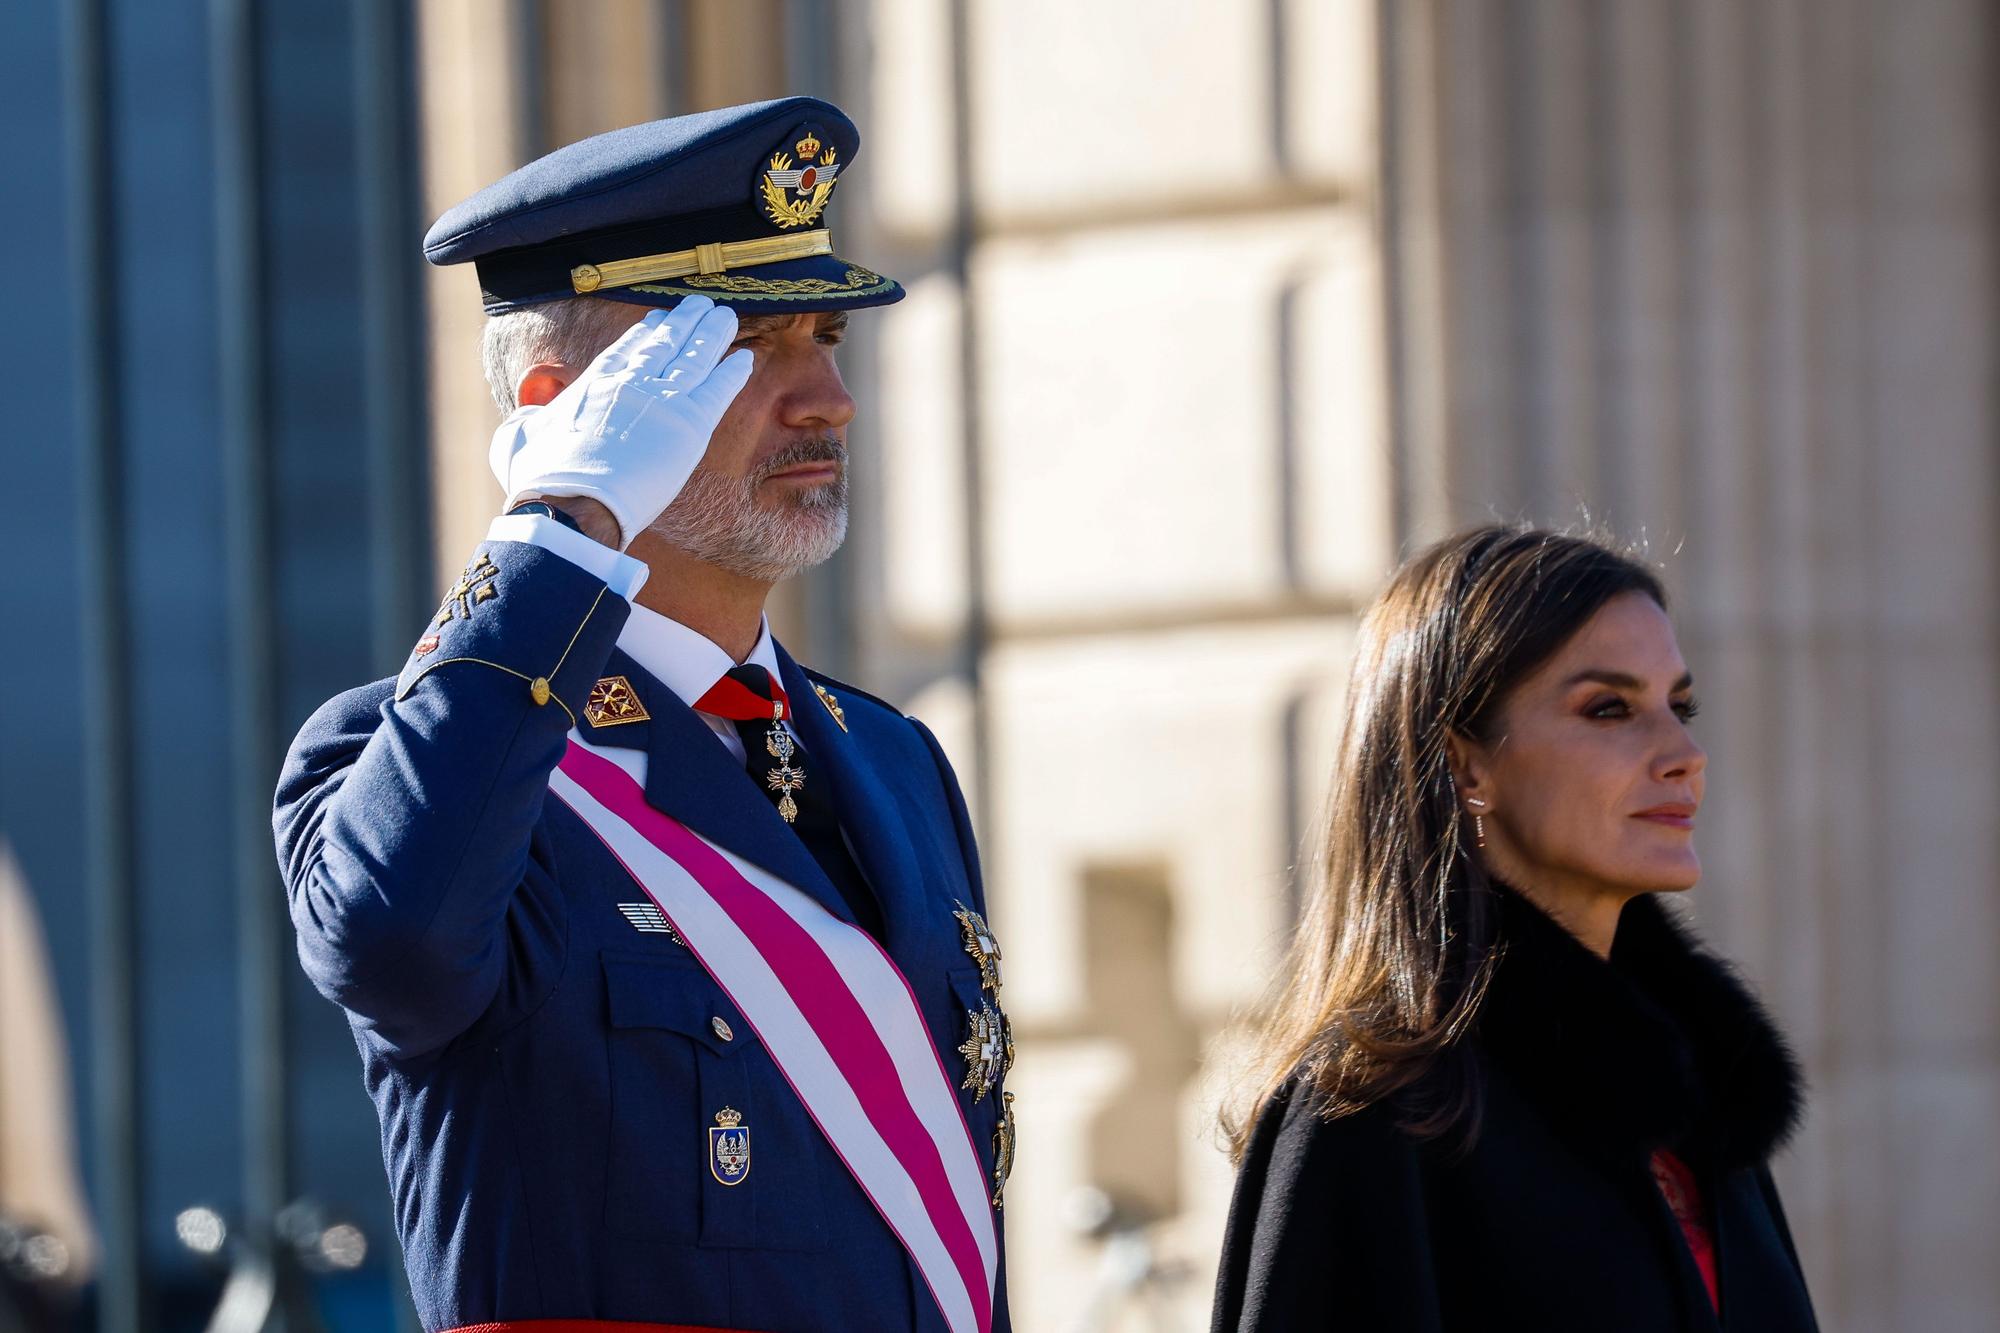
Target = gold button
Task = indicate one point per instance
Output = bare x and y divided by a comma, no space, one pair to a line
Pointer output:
585,278
538,690
721,1028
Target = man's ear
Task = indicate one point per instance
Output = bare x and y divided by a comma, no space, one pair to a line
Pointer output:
541,382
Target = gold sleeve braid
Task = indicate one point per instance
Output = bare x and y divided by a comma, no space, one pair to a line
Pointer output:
538,686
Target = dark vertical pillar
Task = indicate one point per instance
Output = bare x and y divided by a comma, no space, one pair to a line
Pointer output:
676,77
391,322
530,79
249,587
958,262
105,650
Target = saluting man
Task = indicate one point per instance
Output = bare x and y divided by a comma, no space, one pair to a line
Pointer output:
665,955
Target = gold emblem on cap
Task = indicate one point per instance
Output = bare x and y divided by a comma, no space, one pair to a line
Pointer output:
613,703
832,704
794,195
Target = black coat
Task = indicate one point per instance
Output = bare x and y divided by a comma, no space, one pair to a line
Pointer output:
1551,1219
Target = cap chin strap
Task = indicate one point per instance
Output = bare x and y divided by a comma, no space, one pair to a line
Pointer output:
717,257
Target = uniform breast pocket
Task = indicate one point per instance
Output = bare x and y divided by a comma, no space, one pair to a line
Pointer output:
708,1145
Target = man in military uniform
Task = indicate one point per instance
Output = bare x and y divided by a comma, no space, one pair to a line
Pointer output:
665,955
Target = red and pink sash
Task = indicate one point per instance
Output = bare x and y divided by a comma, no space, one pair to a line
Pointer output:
834,1013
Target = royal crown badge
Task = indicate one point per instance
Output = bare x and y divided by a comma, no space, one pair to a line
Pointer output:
729,1147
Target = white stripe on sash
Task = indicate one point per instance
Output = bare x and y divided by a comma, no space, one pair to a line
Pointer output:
836,1015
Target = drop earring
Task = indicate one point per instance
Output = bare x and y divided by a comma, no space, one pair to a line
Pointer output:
1478,821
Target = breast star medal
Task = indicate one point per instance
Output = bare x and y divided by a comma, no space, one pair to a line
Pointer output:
787,777
729,1147
984,948
986,1050
1003,1149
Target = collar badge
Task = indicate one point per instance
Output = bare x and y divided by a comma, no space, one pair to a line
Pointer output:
832,704
613,703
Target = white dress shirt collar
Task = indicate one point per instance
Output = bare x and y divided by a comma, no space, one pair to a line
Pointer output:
685,660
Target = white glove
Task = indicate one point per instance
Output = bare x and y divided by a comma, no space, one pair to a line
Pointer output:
630,429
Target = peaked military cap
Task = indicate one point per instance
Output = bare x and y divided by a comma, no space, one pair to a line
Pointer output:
728,204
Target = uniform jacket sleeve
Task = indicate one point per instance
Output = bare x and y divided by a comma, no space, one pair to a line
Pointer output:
406,815
1327,1229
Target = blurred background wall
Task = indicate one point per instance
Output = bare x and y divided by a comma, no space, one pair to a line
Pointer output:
1724,273
1215,310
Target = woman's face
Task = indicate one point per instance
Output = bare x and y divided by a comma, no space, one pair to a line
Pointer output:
1591,778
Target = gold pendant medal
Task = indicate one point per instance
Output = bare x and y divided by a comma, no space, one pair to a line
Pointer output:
787,777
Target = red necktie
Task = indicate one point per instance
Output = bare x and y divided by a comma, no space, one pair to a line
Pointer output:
749,697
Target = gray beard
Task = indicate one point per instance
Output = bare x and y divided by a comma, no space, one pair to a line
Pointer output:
717,520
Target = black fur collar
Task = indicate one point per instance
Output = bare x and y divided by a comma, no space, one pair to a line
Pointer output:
1662,1046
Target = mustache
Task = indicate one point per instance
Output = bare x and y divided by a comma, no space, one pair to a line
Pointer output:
824,449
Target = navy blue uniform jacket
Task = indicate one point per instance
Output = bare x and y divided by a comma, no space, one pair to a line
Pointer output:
545,1072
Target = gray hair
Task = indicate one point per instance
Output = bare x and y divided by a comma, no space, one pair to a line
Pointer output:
569,332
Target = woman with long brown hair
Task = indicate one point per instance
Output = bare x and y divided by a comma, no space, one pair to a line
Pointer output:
1503,1087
